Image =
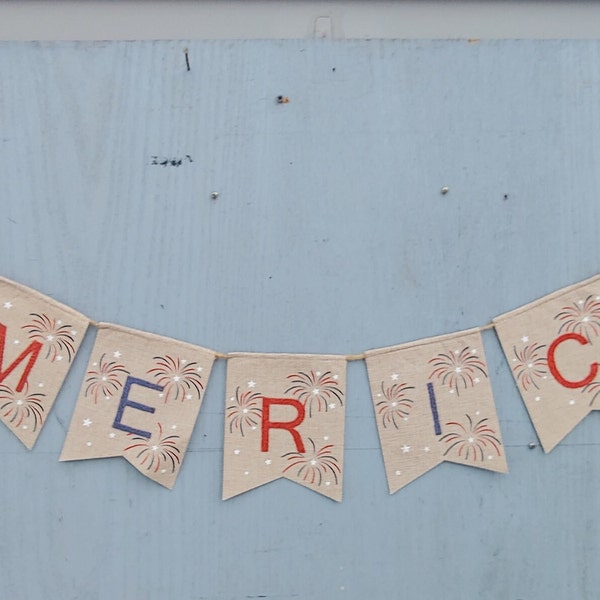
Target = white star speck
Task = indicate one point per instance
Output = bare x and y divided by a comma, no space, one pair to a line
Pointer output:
59,358
525,339
332,405
87,422
571,402
117,354
112,435
251,384
236,451
268,461
394,376
405,449
188,396
8,305
426,449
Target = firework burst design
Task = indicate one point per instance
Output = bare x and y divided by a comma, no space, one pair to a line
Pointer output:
594,389
156,455
55,337
21,407
581,317
472,441
458,370
178,377
530,364
396,405
104,379
315,389
314,465
245,411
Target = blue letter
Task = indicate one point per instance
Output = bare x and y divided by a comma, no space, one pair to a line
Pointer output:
125,401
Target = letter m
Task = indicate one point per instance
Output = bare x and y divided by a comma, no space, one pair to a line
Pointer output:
32,351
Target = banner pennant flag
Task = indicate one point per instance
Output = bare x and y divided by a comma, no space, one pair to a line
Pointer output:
552,346
39,339
140,399
284,418
433,403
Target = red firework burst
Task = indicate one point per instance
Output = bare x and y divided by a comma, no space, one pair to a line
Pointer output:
314,464
178,377
594,389
315,388
105,379
156,455
245,410
531,364
55,337
472,442
581,317
396,404
20,407
458,369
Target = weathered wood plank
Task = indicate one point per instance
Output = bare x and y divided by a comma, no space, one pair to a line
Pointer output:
330,235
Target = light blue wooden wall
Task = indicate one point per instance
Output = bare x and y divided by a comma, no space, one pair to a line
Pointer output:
330,235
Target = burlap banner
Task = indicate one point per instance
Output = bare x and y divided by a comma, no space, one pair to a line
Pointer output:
552,348
433,403
140,399
39,339
284,417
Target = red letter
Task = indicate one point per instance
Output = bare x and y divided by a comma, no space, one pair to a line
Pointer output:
33,349
287,425
552,362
